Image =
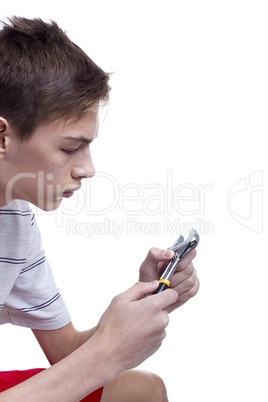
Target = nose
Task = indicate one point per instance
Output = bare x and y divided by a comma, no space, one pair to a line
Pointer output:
84,169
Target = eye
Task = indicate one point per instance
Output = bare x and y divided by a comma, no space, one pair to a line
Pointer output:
69,151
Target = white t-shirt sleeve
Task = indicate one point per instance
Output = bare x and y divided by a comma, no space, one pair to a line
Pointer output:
29,296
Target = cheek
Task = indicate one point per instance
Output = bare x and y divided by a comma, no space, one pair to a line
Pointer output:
48,163
57,174
33,161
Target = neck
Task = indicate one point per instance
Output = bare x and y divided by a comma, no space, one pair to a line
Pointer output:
3,201
4,198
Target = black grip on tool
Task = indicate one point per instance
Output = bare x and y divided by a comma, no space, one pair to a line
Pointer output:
162,286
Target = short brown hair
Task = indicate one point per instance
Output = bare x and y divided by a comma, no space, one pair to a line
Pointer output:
44,76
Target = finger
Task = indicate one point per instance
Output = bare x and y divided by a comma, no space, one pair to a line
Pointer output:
164,299
186,260
180,276
186,263
188,284
150,266
185,297
139,291
190,293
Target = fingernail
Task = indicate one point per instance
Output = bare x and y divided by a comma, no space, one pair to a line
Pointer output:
167,253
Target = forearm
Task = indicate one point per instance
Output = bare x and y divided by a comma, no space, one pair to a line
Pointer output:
82,337
130,330
71,379
58,344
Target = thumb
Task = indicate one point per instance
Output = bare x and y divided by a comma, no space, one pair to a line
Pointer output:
149,270
139,291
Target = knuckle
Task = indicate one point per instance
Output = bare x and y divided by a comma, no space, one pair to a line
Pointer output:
164,334
173,295
155,303
153,254
139,284
165,319
193,291
188,270
153,250
191,268
116,299
162,321
191,282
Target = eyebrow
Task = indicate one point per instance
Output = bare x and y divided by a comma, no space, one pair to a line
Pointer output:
81,139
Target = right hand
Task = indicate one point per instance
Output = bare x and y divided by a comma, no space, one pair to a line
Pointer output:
133,326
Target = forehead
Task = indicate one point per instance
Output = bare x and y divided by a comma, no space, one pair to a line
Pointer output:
83,129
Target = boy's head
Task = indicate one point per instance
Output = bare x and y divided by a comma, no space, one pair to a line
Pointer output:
45,77
50,93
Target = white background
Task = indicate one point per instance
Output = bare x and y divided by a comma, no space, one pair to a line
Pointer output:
187,117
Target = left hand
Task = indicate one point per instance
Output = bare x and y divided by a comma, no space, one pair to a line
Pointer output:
184,280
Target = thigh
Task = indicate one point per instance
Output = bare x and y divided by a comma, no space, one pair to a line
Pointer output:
135,386
9,379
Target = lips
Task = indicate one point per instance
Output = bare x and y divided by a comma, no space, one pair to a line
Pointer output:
69,193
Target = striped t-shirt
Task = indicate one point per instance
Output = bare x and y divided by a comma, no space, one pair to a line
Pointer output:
29,296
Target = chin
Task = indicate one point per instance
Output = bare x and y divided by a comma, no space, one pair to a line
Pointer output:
48,206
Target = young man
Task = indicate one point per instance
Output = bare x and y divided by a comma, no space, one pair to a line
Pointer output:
50,94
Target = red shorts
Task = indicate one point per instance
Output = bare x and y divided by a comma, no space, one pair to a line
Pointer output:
9,379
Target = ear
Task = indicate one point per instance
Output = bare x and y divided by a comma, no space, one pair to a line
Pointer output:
4,127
